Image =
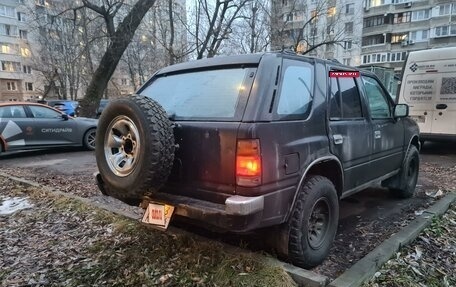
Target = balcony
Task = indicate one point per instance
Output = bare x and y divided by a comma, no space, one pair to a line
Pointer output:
382,9
385,28
376,48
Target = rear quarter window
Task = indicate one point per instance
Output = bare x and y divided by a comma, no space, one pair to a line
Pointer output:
295,96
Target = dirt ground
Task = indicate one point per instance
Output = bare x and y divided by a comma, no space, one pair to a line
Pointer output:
366,218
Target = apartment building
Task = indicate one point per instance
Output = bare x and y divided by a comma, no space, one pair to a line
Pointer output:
393,28
323,28
17,77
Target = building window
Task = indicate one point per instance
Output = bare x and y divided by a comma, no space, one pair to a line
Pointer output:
313,32
27,69
349,27
7,11
419,36
23,34
348,45
28,86
8,30
444,9
420,15
375,3
374,21
284,3
373,40
11,86
6,49
124,82
442,31
398,38
25,52
350,8
347,61
8,66
402,17
21,17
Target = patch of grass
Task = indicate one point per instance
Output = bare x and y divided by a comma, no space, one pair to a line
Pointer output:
138,255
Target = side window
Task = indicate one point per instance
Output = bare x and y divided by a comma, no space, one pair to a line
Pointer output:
378,104
296,92
10,112
44,113
335,109
345,100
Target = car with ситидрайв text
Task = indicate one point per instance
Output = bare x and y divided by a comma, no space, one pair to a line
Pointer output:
27,126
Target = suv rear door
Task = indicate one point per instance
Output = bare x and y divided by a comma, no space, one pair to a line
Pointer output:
207,106
388,133
350,132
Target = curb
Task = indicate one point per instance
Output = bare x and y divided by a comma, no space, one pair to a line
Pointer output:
301,276
365,268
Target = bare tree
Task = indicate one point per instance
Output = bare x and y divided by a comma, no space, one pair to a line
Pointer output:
212,24
251,33
305,27
60,54
119,39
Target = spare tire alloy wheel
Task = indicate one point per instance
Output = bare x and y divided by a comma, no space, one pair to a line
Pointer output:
135,148
122,144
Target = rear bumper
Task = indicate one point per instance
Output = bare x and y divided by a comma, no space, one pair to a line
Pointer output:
238,214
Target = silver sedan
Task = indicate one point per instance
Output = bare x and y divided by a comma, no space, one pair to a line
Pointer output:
25,126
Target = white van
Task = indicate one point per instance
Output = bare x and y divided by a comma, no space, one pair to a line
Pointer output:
429,88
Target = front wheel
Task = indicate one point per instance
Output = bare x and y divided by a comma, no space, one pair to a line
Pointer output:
407,178
313,222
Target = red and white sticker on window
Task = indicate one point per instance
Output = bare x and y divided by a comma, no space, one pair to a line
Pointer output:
343,74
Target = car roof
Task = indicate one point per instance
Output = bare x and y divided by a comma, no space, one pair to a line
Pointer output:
252,59
212,62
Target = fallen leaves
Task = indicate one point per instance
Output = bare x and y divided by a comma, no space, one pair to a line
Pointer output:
429,261
63,242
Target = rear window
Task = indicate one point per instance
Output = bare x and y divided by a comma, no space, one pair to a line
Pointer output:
212,94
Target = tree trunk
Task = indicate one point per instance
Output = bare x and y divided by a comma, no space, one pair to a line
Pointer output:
119,42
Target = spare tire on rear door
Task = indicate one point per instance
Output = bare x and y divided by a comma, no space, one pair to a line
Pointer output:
134,148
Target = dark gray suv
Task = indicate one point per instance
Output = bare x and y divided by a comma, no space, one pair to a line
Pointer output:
253,141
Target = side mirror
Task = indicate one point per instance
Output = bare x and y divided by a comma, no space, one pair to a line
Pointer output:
401,111
65,117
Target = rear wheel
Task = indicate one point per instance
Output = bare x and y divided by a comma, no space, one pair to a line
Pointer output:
89,139
313,223
135,148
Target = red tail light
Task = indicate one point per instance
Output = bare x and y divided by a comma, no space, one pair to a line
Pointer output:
248,163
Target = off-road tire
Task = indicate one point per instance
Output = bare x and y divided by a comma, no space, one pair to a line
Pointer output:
155,154
85,140
405,181
300,251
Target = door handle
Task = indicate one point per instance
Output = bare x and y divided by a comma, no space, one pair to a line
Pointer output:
378,134
338,139
441,106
